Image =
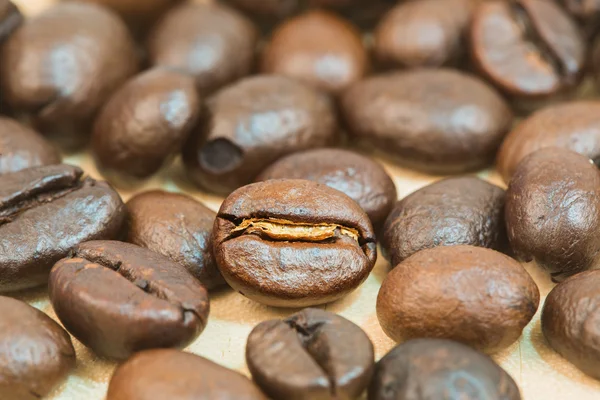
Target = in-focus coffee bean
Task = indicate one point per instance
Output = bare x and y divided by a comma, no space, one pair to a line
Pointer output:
10,19
293,243
473,295
44,213
313,354
118,298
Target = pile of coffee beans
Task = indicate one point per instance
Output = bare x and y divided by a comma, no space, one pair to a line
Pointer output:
278,106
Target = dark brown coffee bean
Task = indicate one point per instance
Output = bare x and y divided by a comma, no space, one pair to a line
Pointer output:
434,369
313,354
359,177
253,123
44,213
317,48
553,212
436,120
574,126
571,321
145,123
453,211
21,148
176,226
63,64
211,42
175,375
473,295
268,10
10,19
36,353
118,298
529,49
425,33
293,243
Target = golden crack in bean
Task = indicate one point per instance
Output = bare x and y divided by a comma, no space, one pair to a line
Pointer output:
281,229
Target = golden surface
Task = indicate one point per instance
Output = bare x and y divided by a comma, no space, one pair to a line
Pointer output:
281,229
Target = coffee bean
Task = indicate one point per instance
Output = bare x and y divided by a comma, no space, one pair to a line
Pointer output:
10,19
313,354
529,49
36,354
453,211
426,33
145,123
44,213
570,321
553,212
211,42
436,120
586,13
317,48
118,298
176,226
434,369
21,148
574,126
362,179
473,295
175,375
293,243
62,65
253,123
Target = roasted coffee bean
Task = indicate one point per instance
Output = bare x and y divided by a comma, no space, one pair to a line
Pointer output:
10,19
317,48
176,226
574,126
62,65
473,295
253,123
293,243
21,148
453,211
434,369
359,177
145,123
553,212
436,120
175,375
44,213
586,12
571,321
313,354
36,353
529,49
211,42
118,298
425,33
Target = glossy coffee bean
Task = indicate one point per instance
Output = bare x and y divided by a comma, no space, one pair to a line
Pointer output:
453,211
425,33
44,213
293,243
434,369
211,42
10,19
359,177
62,65
176,226
251,124
571,321
118,298
574,126
318,48
145,123
553,212
22,147
175,375
529,49
473,295
435,120
313,354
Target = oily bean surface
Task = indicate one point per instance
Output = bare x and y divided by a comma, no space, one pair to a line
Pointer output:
553,212
118,298
473,295
10,19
